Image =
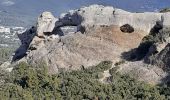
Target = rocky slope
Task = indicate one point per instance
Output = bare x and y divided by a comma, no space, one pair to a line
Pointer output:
89,35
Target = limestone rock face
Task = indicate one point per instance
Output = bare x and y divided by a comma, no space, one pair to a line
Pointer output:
87,36
100,15
143,72
165,18
45,24
75,50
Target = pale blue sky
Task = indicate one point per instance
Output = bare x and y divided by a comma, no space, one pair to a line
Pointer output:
26,11
58,6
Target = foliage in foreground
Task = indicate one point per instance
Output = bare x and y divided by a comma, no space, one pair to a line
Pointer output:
26,82
5,54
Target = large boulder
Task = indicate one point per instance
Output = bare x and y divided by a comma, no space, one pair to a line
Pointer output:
46,23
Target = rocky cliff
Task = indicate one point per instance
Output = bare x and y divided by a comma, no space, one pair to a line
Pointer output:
89,35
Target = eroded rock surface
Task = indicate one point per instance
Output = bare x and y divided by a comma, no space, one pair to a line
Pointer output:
46,23
143,72
75,50
89,35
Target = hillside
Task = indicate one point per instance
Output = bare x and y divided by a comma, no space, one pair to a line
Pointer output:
92,39
94,52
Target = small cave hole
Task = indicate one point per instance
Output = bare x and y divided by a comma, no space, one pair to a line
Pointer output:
127,28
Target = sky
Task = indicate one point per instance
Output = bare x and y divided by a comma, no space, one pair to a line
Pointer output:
27,11
59,6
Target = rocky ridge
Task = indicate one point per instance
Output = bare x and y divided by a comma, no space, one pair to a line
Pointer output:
94,35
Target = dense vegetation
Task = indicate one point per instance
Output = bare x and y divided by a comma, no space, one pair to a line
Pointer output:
34,83
5,54
26,83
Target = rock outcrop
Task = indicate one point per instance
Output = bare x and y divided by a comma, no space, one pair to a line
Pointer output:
45,24
87,36
144,72
100,15
74,50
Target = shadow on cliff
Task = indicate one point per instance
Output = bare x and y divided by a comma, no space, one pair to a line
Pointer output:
138,53
74,19
142,50
25,39
69,20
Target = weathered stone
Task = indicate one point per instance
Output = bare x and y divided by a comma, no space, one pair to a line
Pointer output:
101,40
100,15
75,50
143,72
46,23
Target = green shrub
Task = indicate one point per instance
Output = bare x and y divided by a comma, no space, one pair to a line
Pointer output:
26,81
78,85
35,83
5,54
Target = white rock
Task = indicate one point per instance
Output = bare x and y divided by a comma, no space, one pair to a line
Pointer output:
9,69
100,15
46,23
166,19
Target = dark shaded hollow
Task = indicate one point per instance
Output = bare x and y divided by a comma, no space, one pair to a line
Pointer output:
127,28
